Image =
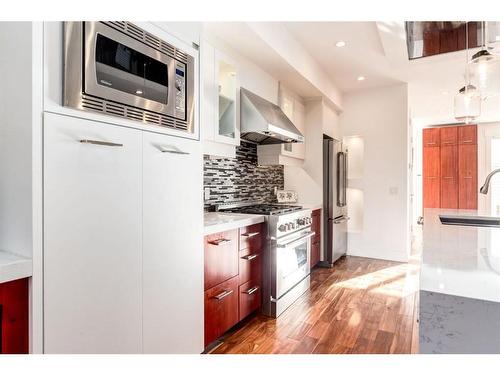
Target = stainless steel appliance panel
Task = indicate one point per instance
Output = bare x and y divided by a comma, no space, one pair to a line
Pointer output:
142,78
335,201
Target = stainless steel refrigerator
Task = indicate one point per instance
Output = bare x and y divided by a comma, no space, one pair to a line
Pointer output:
334,201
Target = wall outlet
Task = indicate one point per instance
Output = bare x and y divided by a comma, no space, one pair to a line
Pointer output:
393,190
206,193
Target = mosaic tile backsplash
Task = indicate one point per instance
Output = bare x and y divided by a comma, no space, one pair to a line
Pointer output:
241,179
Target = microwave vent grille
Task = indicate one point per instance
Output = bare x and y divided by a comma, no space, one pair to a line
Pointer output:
135,32
131,113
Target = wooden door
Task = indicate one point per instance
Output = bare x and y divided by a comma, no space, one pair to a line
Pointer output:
431,177
221,309
172,238
449,176
448,136
467,176
431,137
92,237
467,135
14,317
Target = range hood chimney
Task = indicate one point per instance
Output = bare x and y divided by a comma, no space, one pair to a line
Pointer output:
264,122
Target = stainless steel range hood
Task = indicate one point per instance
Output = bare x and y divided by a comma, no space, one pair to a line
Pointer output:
264,122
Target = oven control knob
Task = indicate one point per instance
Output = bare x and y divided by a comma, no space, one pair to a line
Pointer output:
282,228
292,225
301,221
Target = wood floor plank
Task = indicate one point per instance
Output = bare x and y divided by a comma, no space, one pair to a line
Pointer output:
360,306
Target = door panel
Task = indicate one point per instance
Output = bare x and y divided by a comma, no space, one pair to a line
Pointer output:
172,235
449,176
448,136
467,176
467,135
431,177
221,309
431,137
92,237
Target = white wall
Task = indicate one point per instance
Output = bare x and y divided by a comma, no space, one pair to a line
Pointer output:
380,117
16,213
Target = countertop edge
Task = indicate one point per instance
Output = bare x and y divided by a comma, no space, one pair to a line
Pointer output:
14,267
224,226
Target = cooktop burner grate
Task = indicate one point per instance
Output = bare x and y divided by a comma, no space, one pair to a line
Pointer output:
263,209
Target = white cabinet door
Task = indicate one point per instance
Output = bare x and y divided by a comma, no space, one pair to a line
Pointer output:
172,245
92,237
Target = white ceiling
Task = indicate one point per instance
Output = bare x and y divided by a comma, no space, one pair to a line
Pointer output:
375,50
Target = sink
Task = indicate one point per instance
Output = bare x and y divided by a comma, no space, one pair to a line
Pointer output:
472,221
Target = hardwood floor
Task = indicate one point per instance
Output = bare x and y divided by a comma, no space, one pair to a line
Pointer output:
361,306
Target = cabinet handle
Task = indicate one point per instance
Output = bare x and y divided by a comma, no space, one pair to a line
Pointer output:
251,290
219,241
467,176
447,177
223,295
250,235
171,149
101,143
448,143
250,257
431,143
469,141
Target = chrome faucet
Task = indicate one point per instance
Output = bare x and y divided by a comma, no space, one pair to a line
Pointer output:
486,186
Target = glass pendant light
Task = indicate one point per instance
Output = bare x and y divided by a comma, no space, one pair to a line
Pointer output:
486,67
467,103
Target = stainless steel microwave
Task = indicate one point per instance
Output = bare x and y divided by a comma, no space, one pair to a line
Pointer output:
120,69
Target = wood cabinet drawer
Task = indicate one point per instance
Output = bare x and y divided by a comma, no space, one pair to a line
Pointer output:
250,265
467,135
431,137
250,297
449,135
221,309
251,237
221,257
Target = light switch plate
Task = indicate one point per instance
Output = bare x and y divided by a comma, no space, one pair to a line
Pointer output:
286,196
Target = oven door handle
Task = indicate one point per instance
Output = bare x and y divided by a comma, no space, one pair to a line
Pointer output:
300,239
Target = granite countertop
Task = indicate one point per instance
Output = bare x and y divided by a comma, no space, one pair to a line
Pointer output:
460,260
220,221
13,267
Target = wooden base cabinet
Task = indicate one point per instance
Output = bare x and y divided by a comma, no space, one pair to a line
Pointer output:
316,239
221,309
233,274
14,317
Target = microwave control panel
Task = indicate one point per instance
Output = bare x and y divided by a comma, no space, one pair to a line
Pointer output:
180,90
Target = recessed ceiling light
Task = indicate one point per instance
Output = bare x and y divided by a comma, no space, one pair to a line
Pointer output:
340,43
361,78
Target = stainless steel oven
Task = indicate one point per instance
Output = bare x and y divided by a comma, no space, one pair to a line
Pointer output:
292,261
122,70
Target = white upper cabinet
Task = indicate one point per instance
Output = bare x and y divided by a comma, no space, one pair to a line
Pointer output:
172,245
220,101
92,237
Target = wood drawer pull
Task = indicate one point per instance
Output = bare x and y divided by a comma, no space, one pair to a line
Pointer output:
250,257
101,143
251,290
219,241
469,141
223,295
250,235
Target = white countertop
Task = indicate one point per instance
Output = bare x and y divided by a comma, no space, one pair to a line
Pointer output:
460,260
220,221
13,267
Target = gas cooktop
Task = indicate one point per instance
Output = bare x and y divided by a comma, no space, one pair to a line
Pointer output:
262,209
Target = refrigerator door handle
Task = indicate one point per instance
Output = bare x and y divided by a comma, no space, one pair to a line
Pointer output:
341,219
341,179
